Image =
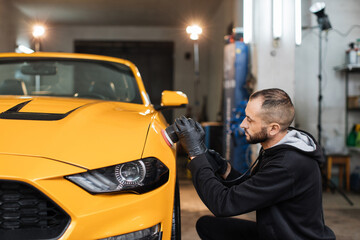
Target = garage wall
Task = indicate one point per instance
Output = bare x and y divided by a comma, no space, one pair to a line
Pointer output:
342,14
222,19
7,26
23,30
274,61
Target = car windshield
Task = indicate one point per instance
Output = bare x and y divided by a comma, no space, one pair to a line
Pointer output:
69,78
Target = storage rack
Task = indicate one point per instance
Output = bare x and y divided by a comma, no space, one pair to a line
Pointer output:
348,69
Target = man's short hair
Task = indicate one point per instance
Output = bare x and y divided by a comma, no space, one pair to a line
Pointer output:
276,107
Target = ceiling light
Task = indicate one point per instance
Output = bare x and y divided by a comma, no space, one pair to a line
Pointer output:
277,18
298,29
248,15
38,31
194,29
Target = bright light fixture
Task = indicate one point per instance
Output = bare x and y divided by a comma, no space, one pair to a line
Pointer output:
194,31
298,22
38,31
194,36
248,23
24,49
317,7
277,18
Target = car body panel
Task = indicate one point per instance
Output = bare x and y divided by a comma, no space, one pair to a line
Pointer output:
77,138
92,134
92,216
172,98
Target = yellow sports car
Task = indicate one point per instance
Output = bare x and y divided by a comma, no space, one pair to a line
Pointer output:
81,151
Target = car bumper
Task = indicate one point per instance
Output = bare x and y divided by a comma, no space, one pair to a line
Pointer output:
92,216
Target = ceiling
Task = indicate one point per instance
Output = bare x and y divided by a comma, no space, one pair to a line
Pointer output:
169,13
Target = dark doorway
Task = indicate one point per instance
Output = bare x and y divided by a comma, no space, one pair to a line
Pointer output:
153,59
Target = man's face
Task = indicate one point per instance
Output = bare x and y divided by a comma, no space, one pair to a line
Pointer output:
253,126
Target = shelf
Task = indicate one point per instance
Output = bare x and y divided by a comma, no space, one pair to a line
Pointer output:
348,68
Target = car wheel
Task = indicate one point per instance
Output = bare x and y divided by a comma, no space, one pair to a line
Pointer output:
176,220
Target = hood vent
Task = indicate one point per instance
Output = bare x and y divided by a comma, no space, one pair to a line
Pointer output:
13,113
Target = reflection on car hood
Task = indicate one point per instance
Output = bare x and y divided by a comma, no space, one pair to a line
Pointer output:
91,133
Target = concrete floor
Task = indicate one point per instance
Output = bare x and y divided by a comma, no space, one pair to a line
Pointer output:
342,218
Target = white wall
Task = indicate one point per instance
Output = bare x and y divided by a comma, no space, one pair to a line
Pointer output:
274,65
342,14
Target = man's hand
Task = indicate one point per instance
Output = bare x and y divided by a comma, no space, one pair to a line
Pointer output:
217,162
191,136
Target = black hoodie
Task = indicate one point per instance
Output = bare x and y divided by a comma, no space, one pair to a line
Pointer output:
284,189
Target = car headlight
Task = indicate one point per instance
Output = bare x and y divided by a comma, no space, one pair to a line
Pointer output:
138,176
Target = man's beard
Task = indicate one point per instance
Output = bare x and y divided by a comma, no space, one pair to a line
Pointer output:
258,137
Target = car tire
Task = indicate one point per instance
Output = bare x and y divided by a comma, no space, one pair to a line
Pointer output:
176,220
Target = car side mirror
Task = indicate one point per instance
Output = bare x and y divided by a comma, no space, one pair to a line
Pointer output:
172,99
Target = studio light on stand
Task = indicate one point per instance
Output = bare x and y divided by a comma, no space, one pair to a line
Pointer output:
194,31
324,25
318,9
38,33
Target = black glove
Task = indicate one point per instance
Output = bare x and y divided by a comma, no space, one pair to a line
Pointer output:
191,136
217,162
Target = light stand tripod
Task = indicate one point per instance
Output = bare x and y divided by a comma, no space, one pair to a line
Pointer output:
324,24
320,87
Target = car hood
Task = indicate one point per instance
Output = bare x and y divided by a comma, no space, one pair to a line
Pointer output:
85,133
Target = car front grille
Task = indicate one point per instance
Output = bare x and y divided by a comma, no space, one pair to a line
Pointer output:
26,213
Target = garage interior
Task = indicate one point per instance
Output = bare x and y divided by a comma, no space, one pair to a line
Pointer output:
152,34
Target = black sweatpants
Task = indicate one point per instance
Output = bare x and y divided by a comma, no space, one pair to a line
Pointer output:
218,228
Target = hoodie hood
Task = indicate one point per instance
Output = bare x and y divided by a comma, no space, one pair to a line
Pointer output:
301,141
298,140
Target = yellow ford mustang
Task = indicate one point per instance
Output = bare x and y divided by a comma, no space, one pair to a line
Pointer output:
81,151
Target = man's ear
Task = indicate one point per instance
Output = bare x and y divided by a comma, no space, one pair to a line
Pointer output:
274,128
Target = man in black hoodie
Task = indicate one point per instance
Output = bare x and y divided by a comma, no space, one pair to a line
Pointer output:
284,187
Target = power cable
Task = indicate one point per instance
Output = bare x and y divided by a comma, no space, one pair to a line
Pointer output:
346,33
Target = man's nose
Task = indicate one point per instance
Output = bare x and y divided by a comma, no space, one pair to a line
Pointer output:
243,124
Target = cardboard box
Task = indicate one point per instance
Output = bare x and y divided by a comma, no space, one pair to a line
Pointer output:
354,102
